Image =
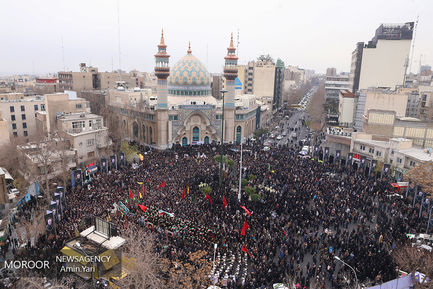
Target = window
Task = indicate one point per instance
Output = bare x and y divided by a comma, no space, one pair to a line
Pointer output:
371,150
15,133
42,107
412,163
90,123
195,134
172,117
24,125
362,147
90,154
378,153
36,107
14,126
392,152
23,117
78,124
25,133
12,109
12,117
90,142
23,108
78,105
399,160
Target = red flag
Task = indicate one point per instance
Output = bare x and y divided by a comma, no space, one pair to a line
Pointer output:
130,194
183,194
246,211
143,208
244,249
244,228
210,200
125,222
224,201
162,185
142,189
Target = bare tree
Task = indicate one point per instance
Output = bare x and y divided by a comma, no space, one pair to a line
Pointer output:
413,259
144,266
44,157
422,175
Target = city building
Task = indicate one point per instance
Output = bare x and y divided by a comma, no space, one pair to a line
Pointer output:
331,71
4,131
58,103
90,78
278,85
217,85
385,124
334,84
20,113
378,99
382,62
400,153
346,104
3,188
184,110
86,134
425,110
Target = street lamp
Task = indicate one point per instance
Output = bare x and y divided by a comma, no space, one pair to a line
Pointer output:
223,91
344,263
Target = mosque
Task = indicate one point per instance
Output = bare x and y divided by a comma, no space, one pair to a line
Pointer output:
183,111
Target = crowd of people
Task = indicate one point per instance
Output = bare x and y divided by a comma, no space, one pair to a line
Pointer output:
313,212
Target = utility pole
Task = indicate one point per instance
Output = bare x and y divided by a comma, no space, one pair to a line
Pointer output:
240,175
223,91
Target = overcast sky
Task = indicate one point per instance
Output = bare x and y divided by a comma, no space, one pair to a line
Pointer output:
313,34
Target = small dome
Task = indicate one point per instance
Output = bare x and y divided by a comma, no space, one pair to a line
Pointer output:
189,77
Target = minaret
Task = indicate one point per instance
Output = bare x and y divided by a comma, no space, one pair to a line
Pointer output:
230,74
162,71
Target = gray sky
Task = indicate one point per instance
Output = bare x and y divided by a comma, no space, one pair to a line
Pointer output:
313,34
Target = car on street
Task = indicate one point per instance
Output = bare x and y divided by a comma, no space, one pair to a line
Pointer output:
279,137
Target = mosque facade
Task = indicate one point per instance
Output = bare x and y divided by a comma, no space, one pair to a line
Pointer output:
183,111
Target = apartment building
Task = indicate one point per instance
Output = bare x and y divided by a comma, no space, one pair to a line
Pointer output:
86,134
20,113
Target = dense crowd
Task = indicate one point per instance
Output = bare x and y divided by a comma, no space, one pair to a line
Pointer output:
309,213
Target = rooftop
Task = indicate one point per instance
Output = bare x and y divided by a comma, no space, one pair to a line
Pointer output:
346,93
78,116
418,153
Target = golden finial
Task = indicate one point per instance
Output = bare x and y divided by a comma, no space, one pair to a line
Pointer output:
231,41
189,51
162,37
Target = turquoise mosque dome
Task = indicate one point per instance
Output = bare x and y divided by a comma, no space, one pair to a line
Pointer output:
189,77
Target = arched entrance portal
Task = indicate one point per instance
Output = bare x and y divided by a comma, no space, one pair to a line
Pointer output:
206,140
184,141
195,134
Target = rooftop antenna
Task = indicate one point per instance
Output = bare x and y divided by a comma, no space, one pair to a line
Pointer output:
63,55
118,38
413,43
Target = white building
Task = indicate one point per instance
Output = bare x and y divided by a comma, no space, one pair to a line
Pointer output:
398,152
383,61
334,84
346,104
86,133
